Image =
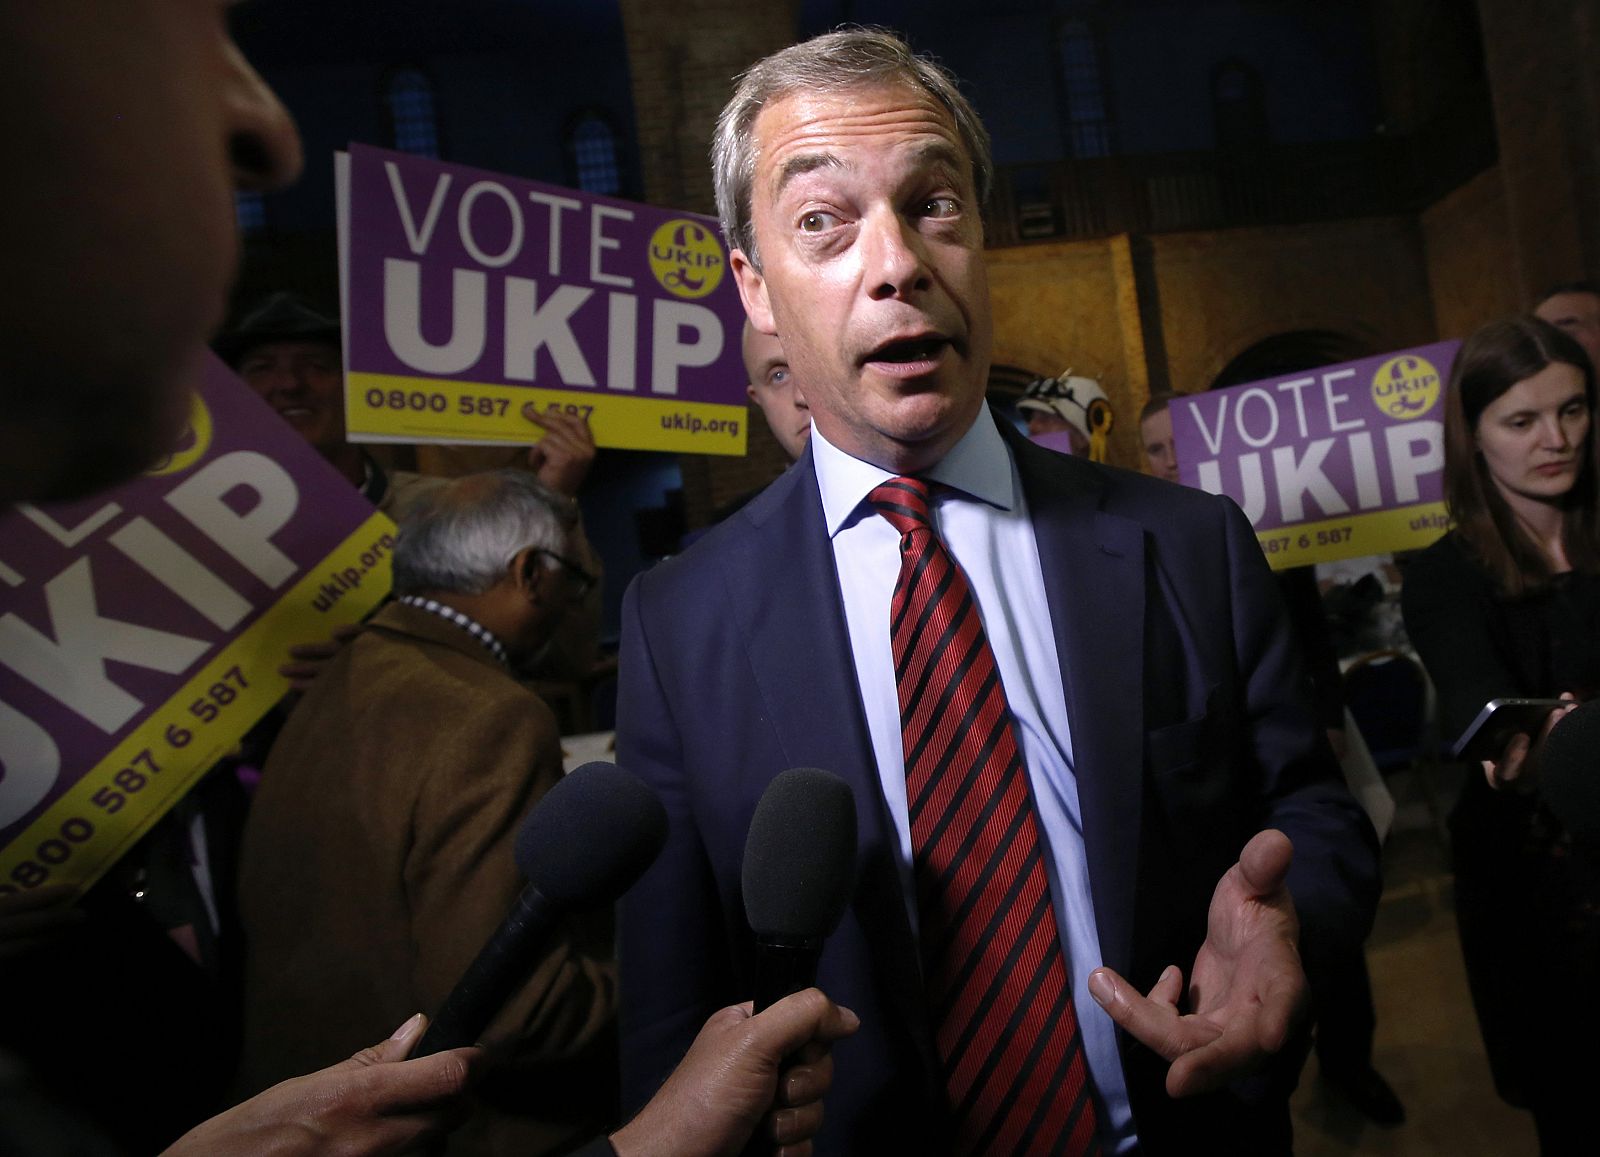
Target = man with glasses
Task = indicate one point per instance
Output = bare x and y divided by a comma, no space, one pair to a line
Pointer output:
289,353
383,828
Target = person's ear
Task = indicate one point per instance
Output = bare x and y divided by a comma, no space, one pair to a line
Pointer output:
752,286
524,571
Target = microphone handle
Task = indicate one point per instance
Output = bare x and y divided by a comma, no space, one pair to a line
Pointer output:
489,981
784,966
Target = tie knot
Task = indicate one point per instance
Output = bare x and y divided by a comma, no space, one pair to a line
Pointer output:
904,502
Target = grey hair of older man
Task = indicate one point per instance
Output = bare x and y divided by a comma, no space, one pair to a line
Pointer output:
461,538
835,62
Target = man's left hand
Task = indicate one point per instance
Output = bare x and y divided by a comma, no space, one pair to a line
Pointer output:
769,1070
308,660
1248,987
561,459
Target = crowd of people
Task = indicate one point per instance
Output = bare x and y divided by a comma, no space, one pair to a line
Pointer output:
1111,886
1503,605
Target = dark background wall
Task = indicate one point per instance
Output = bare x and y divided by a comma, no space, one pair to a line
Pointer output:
1185,185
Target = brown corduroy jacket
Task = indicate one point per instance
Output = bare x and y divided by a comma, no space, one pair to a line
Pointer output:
377,861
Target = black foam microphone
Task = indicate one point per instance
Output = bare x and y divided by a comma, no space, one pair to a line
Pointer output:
799,871
583,845
1569,774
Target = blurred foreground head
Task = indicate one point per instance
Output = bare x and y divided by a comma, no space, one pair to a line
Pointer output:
129,124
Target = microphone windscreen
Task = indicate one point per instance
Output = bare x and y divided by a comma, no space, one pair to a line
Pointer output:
1569,773
799,858
591,836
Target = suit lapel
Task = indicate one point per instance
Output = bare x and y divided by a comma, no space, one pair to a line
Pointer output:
791,614
1093,564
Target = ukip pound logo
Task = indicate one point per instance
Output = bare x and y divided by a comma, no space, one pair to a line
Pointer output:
1405,387
687,258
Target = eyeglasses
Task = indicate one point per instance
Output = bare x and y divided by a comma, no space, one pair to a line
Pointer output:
578,578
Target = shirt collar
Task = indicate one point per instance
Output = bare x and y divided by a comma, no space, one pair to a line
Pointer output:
979,465
466,622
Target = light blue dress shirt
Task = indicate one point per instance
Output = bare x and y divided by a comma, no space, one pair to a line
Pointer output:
982,518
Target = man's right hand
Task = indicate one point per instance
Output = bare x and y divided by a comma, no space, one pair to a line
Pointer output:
741,1072
377,1102
561,459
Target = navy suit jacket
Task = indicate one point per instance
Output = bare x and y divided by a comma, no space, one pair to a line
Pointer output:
1191,729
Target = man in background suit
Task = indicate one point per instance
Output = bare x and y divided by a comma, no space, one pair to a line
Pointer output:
1154,693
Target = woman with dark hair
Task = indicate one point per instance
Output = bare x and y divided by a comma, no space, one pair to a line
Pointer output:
1508,604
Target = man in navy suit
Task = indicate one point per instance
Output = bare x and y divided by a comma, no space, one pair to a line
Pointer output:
1156,698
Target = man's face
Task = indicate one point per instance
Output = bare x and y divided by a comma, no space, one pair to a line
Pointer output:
1579,315
872,247
1155,434
1049,422
304,382
773,388
130,123
546,591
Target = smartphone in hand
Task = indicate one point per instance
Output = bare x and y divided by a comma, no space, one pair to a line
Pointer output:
1487,735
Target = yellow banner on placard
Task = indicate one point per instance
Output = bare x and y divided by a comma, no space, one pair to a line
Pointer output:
411,409
1354,535
100,817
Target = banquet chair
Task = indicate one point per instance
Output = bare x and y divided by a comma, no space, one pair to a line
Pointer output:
1391,699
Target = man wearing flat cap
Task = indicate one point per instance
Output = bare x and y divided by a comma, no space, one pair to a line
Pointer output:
288,352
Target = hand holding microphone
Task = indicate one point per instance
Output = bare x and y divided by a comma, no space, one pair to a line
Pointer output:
768,1068
767,1063
738,1077
585,844
799,872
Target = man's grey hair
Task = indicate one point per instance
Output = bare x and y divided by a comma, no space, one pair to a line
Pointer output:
460,538
831,63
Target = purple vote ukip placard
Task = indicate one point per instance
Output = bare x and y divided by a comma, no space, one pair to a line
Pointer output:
469,294
1341,462
141,629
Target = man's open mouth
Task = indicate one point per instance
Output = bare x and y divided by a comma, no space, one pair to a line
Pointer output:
910,350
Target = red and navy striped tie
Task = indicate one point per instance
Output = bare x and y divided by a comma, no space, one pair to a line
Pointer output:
1003,1016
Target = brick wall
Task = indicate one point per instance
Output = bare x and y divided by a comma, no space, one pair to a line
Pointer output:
1542,71
1471,257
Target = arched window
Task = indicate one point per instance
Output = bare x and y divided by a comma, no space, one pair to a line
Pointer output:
1289,353
1239,106
1088,121
592,155
411,115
